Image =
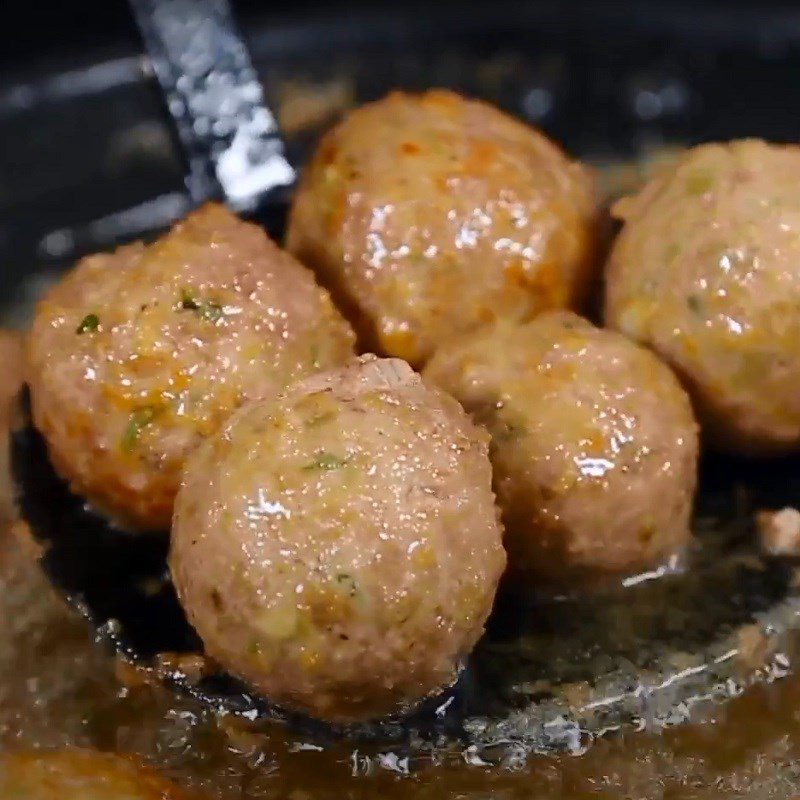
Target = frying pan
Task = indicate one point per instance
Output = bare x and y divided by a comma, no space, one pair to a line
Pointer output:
551,672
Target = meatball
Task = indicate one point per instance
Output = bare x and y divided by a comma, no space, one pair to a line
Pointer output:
429,215
339,548
706,271
63,774
136,356
594,446
11,354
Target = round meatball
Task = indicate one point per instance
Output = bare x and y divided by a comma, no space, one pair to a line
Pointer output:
82,775
706,271
429,215
594,445
339,548
138,355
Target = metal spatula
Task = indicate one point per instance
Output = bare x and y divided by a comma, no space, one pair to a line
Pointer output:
229,136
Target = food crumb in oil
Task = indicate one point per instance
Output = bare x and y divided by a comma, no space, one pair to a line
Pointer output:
779,531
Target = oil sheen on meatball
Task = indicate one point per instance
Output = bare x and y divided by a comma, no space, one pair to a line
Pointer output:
706,271
429,215
136,356
594,446
339,549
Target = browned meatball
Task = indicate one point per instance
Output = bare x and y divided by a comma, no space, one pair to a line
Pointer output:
11,357
80,775
429,215
339,548
706,271
136,356
594,445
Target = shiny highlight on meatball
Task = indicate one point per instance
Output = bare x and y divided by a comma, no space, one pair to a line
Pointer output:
594,447
706,271
137,356
339,548
431,215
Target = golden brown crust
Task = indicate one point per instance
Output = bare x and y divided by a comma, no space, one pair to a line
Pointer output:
136,356
339,548
594,445
706,271
430,215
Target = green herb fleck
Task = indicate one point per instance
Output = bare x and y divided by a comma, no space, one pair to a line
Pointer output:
314,357
509,431
319,419
671,252
207,309
211,311
326,461
139,419
88,324
699,182
647,531
694,303
188,301
349,582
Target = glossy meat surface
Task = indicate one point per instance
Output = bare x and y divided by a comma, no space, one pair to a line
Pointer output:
429,215
136,356
706,271
594,445
339,548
